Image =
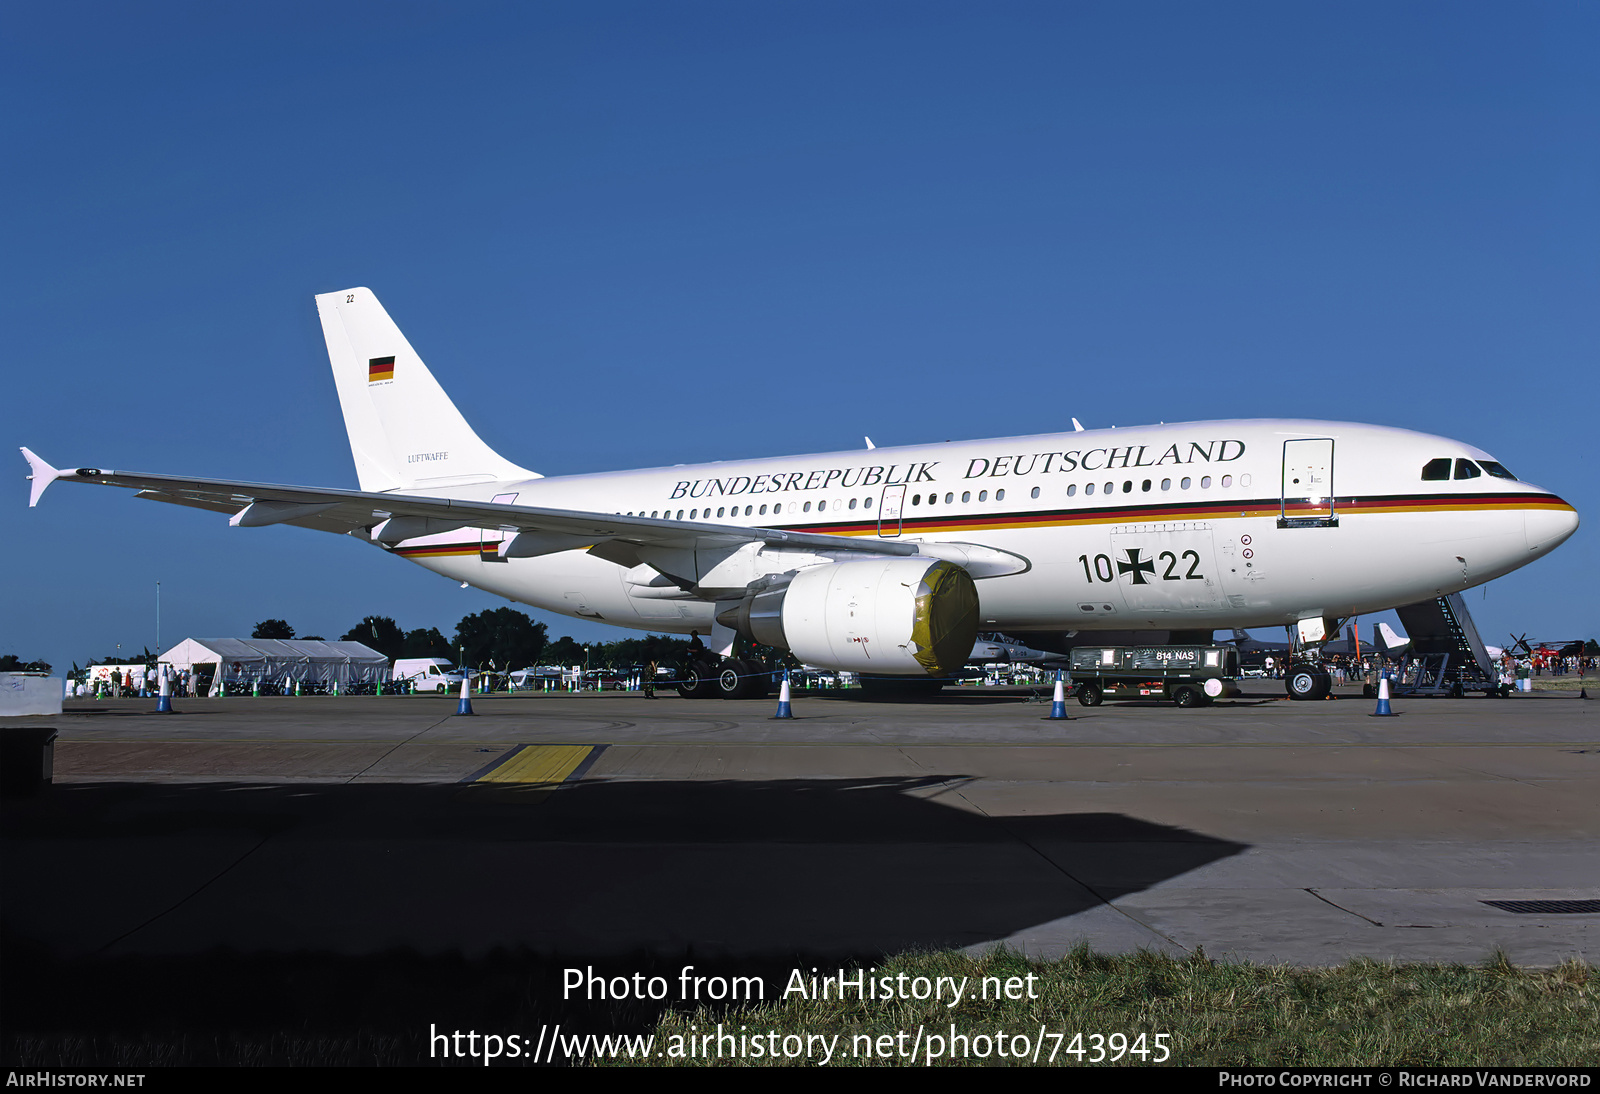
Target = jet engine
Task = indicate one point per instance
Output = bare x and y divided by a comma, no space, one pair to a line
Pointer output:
890,616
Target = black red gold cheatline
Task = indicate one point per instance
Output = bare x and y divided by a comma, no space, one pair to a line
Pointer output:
1063,518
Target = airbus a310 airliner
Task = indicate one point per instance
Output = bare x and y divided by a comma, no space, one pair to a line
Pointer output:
888,561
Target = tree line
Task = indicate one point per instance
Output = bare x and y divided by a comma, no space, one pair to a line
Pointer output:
502,638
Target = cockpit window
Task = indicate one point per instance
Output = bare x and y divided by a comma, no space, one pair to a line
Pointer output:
1498,470
1436,470
1466,469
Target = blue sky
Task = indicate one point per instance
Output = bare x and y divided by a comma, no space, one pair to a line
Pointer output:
634,234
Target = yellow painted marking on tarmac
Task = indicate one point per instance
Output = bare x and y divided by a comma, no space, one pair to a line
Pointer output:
539,764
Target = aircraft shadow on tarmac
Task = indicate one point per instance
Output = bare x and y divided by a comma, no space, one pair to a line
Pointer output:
387,883
827,866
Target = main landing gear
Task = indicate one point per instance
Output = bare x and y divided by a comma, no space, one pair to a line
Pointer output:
725,679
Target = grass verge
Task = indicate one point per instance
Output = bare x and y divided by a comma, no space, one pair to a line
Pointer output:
1359,1014
324,1009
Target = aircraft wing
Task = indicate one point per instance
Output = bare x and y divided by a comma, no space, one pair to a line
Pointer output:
393,518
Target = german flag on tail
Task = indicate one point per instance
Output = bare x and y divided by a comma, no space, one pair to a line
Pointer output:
380,368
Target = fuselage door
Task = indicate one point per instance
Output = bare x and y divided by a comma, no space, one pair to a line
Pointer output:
894,500
1307,497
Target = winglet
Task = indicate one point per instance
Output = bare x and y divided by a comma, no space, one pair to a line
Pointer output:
43,475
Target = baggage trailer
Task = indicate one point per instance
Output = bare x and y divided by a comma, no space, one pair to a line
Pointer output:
1191,676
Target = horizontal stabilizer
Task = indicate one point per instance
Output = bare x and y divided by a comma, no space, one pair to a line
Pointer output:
41,474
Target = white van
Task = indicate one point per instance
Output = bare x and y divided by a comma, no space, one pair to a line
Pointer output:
428,674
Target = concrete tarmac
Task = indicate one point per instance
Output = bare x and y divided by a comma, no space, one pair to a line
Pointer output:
598,826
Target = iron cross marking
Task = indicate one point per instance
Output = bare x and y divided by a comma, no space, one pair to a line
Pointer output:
1136,566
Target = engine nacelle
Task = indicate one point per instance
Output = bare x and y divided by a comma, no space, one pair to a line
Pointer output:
891,616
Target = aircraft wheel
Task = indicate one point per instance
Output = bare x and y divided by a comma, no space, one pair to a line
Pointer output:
757,682
741,680
696,683
1090,695
1307,682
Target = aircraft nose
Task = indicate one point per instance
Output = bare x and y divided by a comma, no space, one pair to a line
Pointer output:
1547,529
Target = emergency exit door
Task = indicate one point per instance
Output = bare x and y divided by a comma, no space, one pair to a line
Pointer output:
1307,496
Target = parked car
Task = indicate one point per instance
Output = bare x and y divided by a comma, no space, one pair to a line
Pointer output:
429,674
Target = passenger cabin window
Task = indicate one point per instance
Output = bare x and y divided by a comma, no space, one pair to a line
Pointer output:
1436,470
1466,469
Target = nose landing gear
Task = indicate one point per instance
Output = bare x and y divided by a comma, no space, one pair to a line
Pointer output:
1306,682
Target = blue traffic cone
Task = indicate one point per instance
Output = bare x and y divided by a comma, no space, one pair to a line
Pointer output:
465,706
783,698
1058,704
164,702
1383,710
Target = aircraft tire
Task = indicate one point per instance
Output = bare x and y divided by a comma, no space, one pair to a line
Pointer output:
1090,695
757,682
741,680
697,683
1306,682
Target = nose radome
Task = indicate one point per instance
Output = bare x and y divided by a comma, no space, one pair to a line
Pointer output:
1547,529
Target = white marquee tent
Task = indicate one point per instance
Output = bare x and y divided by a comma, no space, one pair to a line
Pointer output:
242,661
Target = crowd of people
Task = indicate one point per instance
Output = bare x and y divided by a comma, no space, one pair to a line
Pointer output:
129,681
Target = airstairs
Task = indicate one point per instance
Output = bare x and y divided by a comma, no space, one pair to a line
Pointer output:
1446,656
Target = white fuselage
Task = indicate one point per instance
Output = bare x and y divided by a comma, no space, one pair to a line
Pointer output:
1177,526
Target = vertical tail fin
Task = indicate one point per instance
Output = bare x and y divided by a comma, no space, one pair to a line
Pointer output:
405,433
1390,642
